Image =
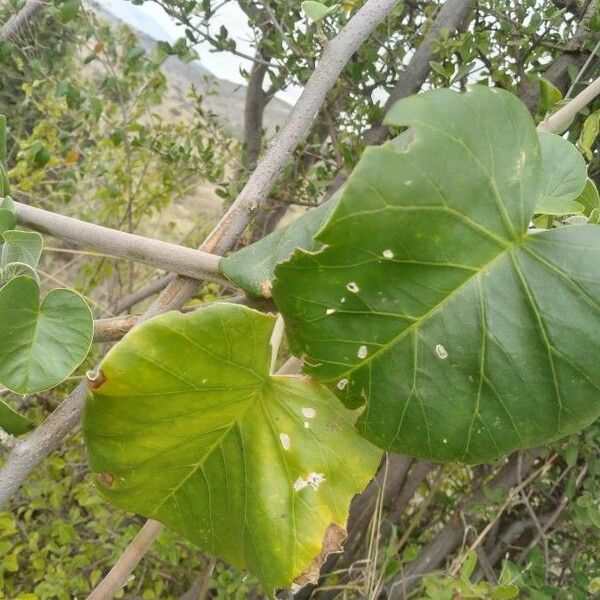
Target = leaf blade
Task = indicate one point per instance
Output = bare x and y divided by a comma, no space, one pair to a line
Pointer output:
242,445
419,255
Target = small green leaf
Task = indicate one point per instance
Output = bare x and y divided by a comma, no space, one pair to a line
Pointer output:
549,96
469,565
252,268
17,269
438,68
12,422
21,247
3,141
8,220
68,11
563,176
7,203
43,343
590,200
187,426
4,183
316,11
589,133
570,455
555,206
504,592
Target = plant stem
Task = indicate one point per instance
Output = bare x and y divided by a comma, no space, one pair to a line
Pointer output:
120,244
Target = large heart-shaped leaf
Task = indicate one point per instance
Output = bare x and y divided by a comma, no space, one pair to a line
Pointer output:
463,336
187,426
41,344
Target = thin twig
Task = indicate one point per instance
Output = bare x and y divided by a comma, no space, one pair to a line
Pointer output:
112,329
561,118
118,575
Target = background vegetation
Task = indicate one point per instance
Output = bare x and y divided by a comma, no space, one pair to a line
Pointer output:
92,134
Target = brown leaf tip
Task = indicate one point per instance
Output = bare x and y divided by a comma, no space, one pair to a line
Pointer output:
95,379
106,479
333,541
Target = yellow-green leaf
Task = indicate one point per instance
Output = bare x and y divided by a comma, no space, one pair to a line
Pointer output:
187,426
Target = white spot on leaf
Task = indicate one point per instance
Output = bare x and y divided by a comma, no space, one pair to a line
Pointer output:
408,182
388,254
313,479
342,383
300,484
285,440
330,311
362,352
343,300
441,352
352,287
306,424
309,412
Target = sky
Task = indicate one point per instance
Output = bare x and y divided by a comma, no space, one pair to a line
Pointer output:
152,20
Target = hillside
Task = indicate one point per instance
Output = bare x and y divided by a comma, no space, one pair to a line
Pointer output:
225,98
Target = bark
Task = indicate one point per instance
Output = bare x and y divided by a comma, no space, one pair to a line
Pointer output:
23,19
254,109
452,16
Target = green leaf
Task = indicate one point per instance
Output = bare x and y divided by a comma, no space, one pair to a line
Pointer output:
4,183
7,203
252,268
316,11
21,247
563,176
186,426
469,565
12,422
8,220
590,200
589,133
43,343
504,592
463,336
549,96
68,11
17,269
2,141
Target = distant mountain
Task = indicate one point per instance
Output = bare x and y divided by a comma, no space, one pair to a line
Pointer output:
135,17
225,98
